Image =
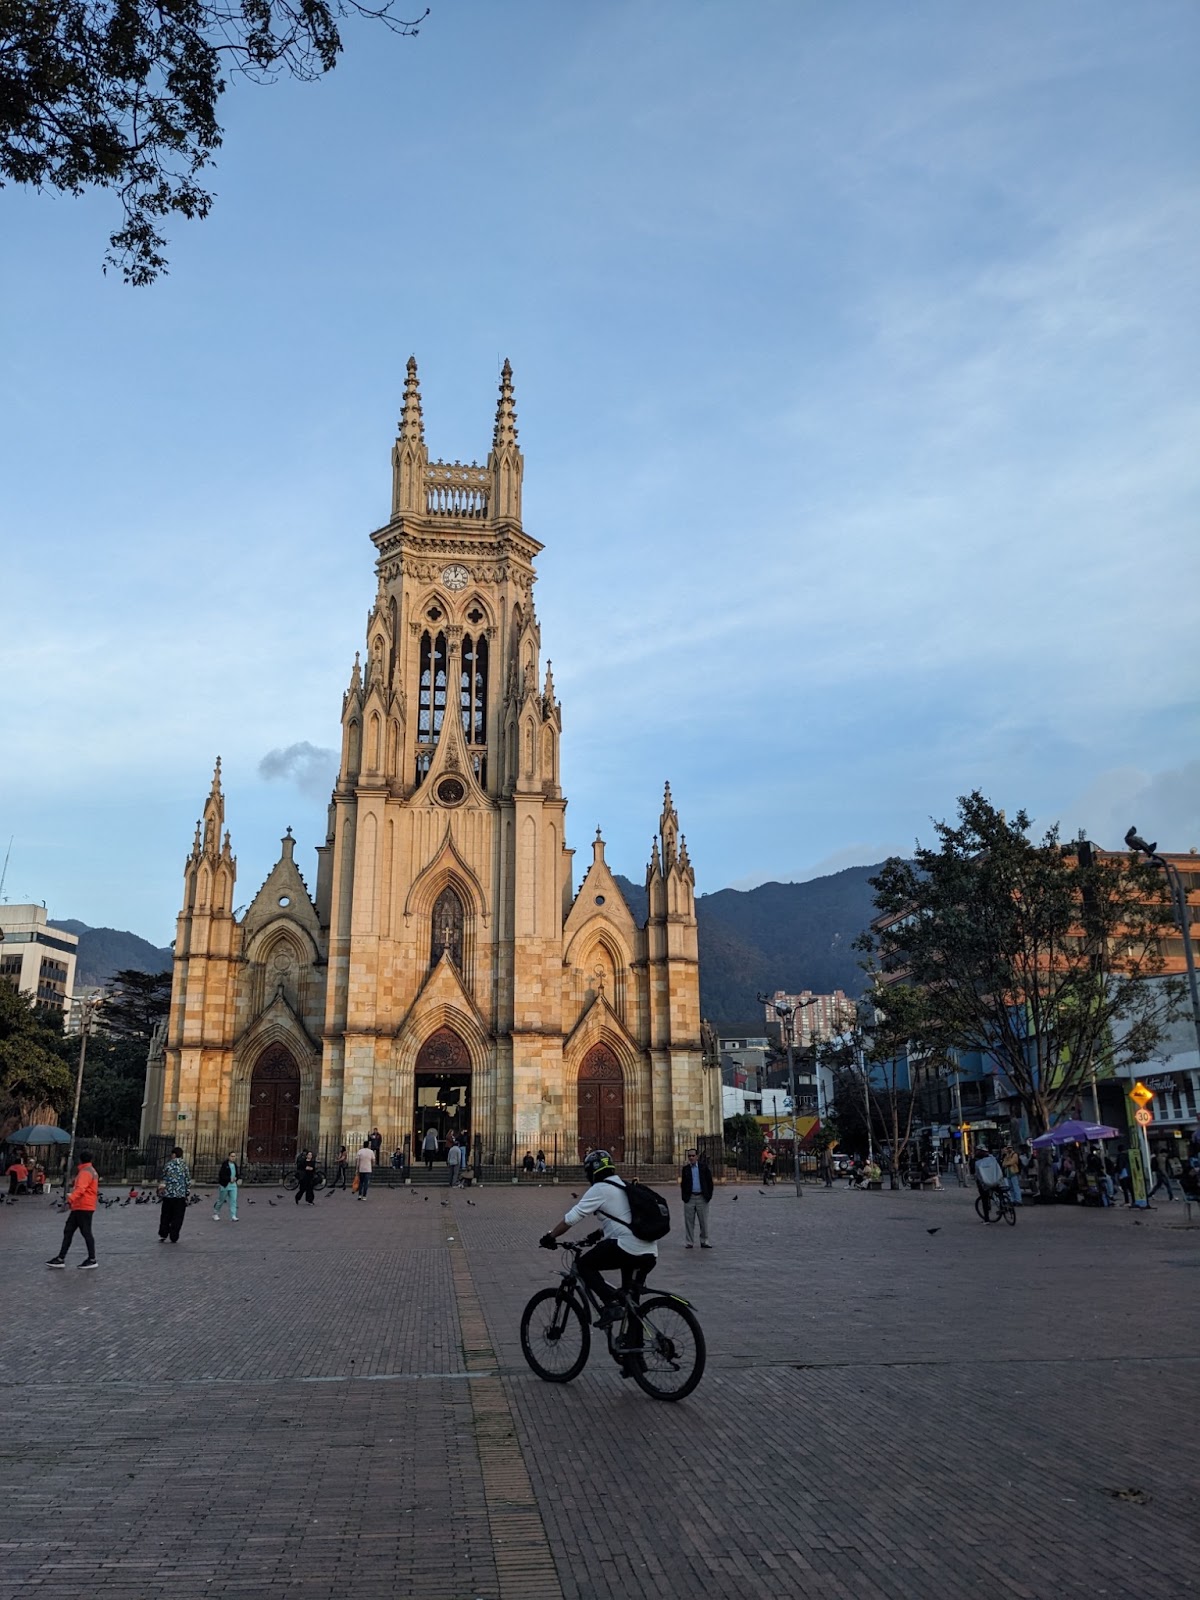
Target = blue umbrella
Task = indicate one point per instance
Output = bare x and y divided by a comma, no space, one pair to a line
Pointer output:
39,1133
1074,1133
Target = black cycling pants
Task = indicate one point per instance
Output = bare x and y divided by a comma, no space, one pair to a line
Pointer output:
607,1256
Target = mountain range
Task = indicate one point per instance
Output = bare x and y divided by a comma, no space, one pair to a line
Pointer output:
789,936
103,952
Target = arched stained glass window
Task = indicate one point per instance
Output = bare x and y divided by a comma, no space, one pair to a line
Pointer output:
446,928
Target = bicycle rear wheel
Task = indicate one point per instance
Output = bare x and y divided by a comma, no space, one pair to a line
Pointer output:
291,1181
671,1361
555,1337
983,1214
320,1180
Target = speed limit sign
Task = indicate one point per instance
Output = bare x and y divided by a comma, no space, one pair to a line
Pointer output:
1143,1117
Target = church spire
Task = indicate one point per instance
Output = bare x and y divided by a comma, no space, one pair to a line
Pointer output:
504,461
410,458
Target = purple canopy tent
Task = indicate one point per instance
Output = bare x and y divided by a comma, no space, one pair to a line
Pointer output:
1074,1133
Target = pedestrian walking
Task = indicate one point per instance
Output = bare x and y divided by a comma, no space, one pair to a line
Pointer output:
176,1186
696,1187
343,1163
429,1148
1162,1178
227,1188
82,1201
306,1172
1010,1163
960,1169
364,1165
1124,1177
454,1160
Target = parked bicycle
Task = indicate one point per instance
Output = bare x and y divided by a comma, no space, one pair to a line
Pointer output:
658,1341
292,1181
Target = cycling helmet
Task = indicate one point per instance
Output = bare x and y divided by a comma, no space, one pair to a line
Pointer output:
596,1163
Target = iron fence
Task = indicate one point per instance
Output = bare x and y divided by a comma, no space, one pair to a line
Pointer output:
490,1160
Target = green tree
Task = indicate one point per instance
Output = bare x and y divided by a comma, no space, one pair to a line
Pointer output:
122,95
34,1075
135,1003
872,1090
745,1135
114,1086
1029,952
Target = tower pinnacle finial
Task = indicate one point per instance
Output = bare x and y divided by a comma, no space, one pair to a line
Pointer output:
412,423
504,459
506,416
410,459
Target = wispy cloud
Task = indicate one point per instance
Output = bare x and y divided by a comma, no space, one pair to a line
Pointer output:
310,769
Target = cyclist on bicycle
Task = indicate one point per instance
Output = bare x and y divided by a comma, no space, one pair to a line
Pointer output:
989,1179
620,1247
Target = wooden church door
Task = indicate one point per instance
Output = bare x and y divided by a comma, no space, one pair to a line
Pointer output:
274,1107
601,1115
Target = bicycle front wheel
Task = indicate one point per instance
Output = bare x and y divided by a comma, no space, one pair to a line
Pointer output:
555,1337
671,1361
320,1180
1008,1211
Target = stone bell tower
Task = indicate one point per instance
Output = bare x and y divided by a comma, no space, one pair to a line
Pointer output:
445,876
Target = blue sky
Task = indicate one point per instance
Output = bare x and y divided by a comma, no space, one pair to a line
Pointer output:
858,381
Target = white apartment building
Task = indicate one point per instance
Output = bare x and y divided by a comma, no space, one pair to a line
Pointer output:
36,958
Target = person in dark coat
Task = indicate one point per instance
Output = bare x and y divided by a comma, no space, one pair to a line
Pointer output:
306,1171
696,1187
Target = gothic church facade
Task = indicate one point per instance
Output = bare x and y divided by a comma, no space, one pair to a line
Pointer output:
444,974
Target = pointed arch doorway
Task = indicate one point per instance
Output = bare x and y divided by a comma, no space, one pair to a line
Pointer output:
601,1105
442,1090
274,1122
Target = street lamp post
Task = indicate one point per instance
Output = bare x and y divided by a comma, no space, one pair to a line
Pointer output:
87,1009
786,1012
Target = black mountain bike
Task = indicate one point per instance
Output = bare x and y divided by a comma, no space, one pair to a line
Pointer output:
658,1342
1001,1205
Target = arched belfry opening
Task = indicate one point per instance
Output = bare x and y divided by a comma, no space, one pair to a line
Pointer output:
601,1103
442,1090
274,1122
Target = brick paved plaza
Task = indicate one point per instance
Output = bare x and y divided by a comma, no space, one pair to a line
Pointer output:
331,1401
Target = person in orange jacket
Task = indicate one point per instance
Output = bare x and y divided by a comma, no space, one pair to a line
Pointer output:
82,1201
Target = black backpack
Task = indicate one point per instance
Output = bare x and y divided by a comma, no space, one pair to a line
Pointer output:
649,1213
